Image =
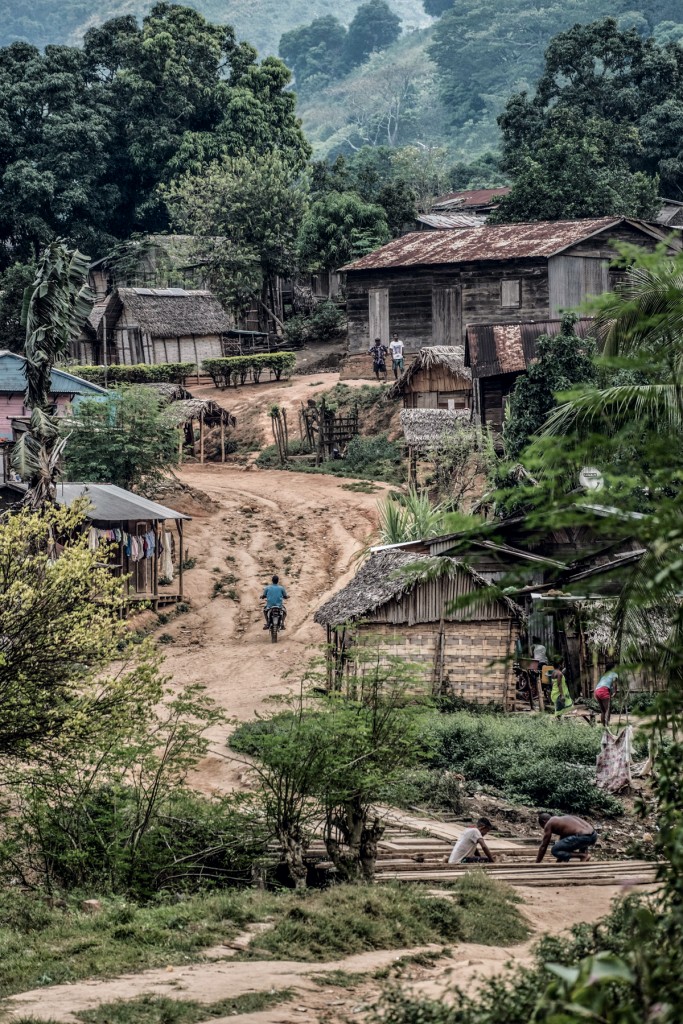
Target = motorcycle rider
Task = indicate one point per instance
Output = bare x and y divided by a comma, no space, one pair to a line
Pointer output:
274,596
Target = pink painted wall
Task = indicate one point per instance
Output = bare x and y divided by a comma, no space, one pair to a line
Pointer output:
12,407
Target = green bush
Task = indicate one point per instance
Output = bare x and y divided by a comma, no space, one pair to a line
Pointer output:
140,373
537,761
193,843
369,458
238,370
325,322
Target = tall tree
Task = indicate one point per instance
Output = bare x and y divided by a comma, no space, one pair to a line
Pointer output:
374,27
55,307
339,228
601,127
246,213
314,52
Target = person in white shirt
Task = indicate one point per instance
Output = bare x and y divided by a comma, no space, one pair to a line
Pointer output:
396,349
465,850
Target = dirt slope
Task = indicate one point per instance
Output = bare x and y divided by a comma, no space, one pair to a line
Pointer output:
305,527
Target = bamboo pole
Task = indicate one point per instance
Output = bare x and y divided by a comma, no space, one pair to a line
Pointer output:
201,437
222,439
181,551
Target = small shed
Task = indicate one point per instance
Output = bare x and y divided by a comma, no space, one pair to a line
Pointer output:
436,379
208,415
462,651
140,540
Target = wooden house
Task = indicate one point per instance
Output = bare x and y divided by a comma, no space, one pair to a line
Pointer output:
436,379
156,325
463,651
431,286
140,537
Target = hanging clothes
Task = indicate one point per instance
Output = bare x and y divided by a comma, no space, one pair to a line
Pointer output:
166,561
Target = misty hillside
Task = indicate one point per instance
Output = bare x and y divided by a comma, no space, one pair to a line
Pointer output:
262,22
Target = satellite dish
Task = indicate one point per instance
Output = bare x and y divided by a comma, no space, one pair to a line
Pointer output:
591,479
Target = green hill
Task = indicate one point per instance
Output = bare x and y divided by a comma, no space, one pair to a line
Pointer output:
262,22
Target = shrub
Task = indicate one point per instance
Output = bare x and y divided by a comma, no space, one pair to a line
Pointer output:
239,369
139,373
534,760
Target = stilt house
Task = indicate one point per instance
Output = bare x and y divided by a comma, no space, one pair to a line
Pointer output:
463,651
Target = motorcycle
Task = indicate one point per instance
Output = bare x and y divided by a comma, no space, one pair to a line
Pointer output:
275,622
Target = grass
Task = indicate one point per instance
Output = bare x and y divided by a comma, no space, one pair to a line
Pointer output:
339,979
162,1010
40,945
361,486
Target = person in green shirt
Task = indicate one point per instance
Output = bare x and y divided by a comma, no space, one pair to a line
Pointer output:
559,693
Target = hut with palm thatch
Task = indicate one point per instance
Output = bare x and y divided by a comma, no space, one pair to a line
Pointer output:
442,617
436,379
201,420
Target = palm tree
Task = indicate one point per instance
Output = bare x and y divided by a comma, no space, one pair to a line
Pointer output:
642,322
55,307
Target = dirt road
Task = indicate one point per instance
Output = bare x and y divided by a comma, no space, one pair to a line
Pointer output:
305,527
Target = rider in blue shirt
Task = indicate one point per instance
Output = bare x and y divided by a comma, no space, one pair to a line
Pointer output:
275,597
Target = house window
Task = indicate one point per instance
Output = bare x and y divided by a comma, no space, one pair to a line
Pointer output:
511,292
453,400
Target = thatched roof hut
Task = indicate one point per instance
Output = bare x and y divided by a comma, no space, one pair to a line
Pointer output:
436,379
450,358
459,647
383,578
168,392
208,415
173,312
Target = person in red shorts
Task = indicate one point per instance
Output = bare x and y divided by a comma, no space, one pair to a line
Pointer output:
604,691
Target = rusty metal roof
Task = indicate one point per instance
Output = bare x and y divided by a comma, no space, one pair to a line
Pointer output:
492,349
470,198
490,242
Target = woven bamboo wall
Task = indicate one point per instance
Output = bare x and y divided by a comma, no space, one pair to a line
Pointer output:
476,663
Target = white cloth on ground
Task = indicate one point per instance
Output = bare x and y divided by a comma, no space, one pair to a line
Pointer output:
465,846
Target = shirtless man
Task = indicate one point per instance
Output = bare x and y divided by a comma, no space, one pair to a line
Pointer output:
576,837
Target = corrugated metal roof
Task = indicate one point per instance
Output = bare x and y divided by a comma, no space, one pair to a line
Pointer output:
471,197
490,242
13,379
492,349
112,504
446,221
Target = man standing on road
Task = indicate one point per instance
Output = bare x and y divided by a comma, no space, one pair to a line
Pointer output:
576,837
275,597
465,850
379,355
396,349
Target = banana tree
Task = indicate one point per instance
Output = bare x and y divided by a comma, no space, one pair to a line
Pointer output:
55,307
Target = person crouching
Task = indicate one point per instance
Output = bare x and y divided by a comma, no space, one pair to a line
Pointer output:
465,850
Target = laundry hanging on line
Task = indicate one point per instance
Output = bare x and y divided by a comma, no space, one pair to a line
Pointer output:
135,546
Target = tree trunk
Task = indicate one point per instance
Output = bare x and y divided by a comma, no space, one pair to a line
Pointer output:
369,841
293,854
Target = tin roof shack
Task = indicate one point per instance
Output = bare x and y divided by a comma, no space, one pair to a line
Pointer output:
496,354
141,544
436,379
464,651
156,325
428,286
66,391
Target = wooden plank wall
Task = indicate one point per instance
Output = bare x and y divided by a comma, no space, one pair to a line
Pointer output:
428,601
476,658
482,292
492,391
573,278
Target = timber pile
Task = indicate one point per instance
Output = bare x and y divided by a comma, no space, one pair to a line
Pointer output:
593,872
416,850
